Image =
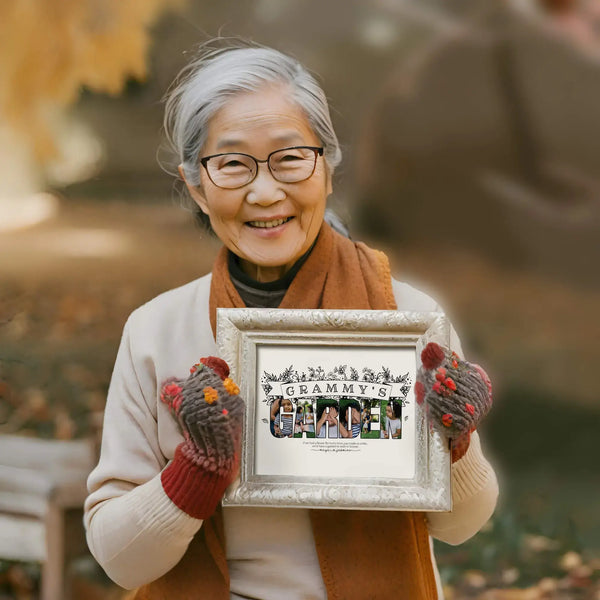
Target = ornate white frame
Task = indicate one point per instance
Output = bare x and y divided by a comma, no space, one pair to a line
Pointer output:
241,332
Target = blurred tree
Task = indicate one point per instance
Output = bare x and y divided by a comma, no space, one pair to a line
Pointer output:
54,49
479,139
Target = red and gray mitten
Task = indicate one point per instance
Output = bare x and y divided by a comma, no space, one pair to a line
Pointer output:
458,394
210,413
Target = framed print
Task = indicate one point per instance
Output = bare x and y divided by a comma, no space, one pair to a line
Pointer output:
331,418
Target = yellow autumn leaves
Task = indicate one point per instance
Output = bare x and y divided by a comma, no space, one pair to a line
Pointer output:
50,50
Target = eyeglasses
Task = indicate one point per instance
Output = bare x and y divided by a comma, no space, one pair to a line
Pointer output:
234,170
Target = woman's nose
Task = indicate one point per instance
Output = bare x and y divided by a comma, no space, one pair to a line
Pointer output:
265,189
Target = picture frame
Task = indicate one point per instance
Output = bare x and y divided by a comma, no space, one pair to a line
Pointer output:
304,375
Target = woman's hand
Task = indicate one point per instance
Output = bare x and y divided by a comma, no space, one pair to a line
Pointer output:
210,413
458,394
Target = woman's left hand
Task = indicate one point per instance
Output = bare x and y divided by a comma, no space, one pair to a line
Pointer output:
458,394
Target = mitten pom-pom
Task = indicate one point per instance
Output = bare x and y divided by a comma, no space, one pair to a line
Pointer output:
432,356
218,365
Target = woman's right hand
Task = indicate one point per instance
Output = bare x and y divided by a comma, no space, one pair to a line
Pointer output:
210,412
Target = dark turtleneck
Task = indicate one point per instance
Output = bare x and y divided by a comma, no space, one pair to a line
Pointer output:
259,294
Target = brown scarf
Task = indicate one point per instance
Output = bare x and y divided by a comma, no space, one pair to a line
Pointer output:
391,549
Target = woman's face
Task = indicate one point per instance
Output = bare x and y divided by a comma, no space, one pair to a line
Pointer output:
268,224
389,412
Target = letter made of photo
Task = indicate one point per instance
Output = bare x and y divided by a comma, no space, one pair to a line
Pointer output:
305,421
350,418
370,421
391,419
327,418
283,415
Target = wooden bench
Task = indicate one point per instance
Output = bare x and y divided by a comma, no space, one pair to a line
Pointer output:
42,490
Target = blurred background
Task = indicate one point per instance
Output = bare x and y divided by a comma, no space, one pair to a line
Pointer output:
470,132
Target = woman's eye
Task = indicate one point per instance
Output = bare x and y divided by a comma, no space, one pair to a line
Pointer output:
232,163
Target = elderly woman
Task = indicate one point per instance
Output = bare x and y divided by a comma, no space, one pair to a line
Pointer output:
257,152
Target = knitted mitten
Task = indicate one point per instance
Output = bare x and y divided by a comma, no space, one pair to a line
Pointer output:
210,413
458,395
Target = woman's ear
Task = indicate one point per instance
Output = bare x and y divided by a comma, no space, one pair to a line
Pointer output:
329,184
195,192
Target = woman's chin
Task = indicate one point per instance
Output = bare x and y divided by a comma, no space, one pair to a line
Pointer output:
273,262
264,270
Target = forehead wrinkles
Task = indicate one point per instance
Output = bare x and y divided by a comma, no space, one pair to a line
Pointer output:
242,117
276,128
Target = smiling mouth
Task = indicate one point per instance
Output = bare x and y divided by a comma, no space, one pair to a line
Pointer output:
269,224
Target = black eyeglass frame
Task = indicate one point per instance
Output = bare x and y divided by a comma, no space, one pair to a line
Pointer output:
318,150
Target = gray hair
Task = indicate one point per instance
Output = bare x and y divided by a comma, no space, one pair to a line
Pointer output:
206,84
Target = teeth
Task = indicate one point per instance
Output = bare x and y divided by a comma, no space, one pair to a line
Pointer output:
268,224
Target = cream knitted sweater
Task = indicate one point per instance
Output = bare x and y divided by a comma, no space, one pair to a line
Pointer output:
134,530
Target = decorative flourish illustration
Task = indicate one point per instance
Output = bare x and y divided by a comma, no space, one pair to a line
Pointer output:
395,387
